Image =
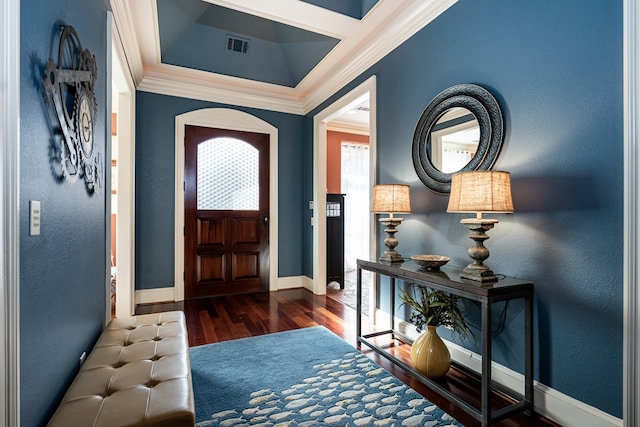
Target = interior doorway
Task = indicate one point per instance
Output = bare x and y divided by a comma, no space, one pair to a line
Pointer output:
322,123
122,181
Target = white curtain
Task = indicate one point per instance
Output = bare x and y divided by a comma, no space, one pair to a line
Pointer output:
454,160
355,185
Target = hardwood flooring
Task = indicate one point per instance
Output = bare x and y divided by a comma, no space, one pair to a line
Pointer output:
211,320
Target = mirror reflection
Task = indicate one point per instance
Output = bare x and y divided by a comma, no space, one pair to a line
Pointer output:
454,140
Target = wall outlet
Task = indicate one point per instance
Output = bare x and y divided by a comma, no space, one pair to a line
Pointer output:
83,357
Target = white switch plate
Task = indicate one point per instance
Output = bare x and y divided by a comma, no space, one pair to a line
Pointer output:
34,218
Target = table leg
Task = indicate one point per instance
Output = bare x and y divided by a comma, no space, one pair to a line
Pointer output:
528,351
392,299
358,306
485,391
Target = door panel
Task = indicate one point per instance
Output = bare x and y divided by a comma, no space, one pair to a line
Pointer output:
226,212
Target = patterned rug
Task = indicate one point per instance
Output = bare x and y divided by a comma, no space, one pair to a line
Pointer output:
305,377
348,295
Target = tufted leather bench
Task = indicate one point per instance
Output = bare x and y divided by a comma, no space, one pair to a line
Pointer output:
138,374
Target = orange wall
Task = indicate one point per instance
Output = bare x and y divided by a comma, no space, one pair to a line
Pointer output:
334,141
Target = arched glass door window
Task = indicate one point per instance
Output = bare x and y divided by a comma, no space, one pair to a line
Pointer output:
228,175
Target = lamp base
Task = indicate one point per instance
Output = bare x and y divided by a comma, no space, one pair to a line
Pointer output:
477,271
390,255
478,275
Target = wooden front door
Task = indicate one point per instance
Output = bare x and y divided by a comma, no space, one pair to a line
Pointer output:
226,212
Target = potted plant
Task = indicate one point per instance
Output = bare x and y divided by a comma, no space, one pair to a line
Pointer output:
431,308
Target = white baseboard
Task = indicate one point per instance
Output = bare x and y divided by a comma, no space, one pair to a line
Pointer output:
149,296
548,402
293,282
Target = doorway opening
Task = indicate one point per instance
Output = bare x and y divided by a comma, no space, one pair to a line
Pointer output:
122,289
348,170
333,119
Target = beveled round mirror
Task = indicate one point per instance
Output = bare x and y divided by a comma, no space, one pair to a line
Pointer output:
460,130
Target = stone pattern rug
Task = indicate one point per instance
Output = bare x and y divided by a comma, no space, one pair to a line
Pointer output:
306,377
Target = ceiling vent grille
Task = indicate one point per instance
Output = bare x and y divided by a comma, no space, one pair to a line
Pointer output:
236,44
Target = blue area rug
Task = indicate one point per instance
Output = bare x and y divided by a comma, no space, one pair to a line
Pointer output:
304,377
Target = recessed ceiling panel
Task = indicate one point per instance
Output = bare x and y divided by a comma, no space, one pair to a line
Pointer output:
199,35
353,8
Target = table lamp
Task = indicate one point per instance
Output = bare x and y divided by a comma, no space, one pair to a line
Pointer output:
479,192
391,199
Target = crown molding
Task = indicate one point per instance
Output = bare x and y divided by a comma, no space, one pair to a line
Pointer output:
222,91
411,21
126,32
344,127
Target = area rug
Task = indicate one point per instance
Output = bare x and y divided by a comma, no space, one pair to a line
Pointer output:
304,377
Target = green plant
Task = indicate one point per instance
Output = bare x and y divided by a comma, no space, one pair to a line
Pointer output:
432,307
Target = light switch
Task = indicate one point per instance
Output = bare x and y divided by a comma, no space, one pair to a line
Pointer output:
34,218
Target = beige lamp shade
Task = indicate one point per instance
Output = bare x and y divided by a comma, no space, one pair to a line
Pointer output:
391,198
481,191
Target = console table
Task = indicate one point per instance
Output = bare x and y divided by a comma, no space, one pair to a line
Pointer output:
448,280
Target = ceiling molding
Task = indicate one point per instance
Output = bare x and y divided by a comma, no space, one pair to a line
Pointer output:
298,14
165,84
126,32
346,127
387,25
414,19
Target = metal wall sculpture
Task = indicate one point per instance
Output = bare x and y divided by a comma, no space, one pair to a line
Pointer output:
68,91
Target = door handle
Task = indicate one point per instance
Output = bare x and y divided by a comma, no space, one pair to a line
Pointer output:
266,220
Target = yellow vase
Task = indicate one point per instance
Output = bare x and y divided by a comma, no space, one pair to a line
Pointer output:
430,355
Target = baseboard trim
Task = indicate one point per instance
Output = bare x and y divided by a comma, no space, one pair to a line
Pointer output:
548,402
150,296
292,282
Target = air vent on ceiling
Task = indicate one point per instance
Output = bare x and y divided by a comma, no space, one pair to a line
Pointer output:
237,44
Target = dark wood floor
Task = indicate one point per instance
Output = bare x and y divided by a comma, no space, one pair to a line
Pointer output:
211,320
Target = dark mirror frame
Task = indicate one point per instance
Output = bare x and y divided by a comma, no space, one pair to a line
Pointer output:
484,107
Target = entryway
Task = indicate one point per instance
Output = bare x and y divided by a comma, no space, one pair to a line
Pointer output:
226,212
232,120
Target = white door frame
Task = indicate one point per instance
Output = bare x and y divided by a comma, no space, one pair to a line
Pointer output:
320,121
125,177
224,118
10,213
631,172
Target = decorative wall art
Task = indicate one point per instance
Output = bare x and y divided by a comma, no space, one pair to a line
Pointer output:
68,91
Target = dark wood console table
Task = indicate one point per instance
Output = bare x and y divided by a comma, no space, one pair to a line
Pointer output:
448,280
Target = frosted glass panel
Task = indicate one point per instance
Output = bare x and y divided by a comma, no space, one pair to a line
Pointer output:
228,172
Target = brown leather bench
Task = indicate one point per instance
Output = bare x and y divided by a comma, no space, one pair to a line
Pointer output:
138,374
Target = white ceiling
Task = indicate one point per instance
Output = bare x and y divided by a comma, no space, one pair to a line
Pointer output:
362,43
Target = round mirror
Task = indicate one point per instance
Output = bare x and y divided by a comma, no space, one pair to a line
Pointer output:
462,112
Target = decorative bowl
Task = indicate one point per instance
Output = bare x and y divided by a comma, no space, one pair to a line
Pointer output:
430,262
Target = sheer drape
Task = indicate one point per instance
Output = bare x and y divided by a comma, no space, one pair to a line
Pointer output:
355,184
454,160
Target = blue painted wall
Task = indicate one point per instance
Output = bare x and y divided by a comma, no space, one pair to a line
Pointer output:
556,70
155,172
62,271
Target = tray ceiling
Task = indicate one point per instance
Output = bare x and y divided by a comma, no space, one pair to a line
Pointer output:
281,55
